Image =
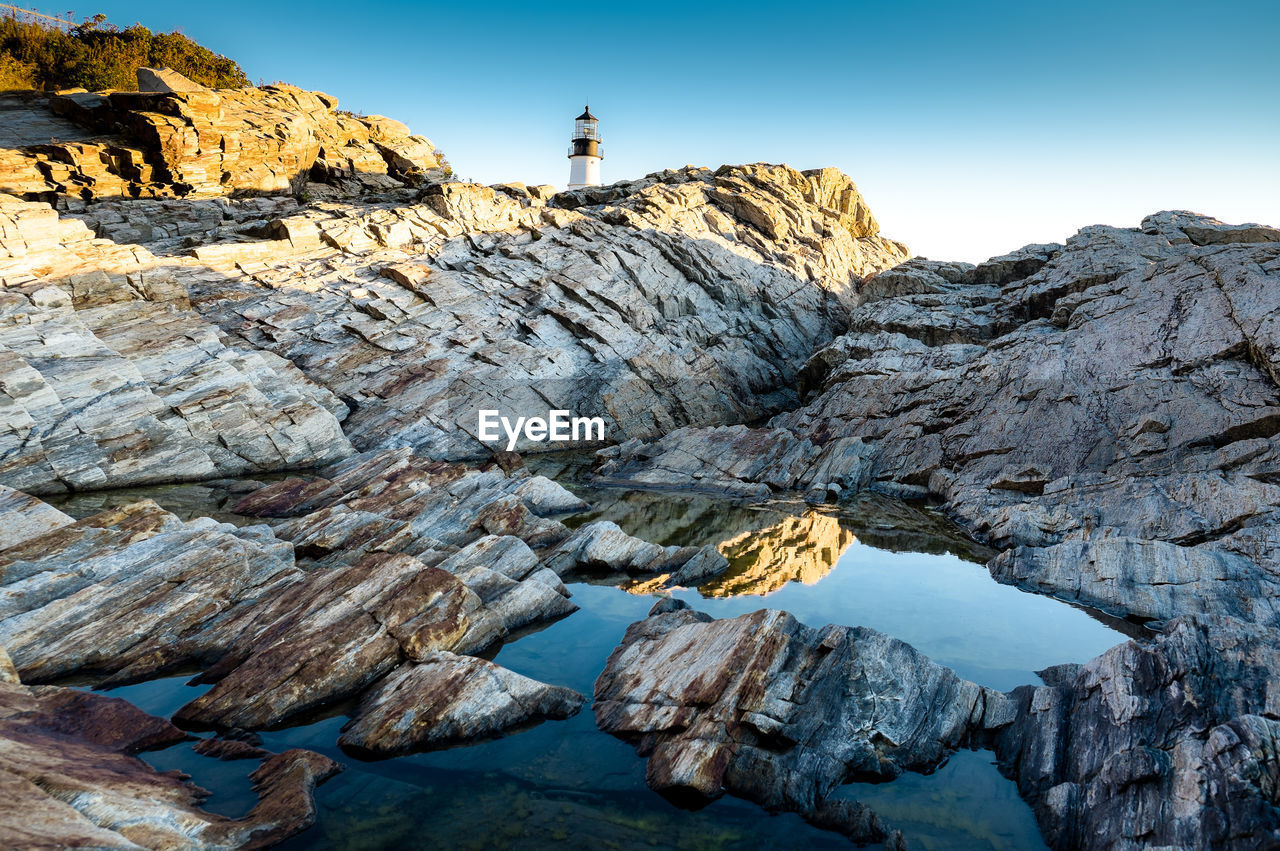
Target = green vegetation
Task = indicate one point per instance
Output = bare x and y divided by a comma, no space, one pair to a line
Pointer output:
97,55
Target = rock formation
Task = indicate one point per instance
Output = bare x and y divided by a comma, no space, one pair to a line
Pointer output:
70,779
415,308
1170,744
1107,412
602,547
177,139
1125,385
713,289
208,284
447,699
108,378
766,708
278,634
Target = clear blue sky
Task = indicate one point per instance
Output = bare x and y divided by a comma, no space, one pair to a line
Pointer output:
972,128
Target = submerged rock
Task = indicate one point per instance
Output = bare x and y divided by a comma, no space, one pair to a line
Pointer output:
69,778
768,709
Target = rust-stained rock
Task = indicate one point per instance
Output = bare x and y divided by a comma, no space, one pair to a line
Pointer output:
143,593
68,779
26,517
445,699
332,635
151,593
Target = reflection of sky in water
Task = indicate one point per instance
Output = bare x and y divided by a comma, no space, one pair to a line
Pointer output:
950,610
568,784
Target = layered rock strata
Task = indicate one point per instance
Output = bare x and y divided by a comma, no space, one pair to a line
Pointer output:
687,297
279,634
448,699
1125,386
768,709
70,778
1106,412
108,378
197,142
1166,744
408,320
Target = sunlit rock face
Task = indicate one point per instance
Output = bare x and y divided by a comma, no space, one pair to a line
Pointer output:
205,143
797,549
688,297
109,378
248,329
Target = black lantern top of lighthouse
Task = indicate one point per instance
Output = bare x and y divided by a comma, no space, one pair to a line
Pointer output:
586,136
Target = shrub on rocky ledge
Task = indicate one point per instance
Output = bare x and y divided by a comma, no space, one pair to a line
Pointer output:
97,55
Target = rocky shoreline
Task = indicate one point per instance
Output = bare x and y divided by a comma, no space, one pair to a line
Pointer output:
219,286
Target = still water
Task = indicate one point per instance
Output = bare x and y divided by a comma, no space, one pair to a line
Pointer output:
872,562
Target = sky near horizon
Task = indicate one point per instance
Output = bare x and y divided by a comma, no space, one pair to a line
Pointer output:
971,128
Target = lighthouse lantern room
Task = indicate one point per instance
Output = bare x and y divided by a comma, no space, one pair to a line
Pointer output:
585,151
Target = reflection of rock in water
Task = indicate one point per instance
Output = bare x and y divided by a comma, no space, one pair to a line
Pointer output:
909,527
800,548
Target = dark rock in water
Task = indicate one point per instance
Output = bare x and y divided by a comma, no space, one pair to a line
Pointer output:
67,779
445,699
768,709
229,749
1169,744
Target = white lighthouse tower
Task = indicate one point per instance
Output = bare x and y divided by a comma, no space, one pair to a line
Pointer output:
585,151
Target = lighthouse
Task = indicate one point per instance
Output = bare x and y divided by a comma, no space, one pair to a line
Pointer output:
585,151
